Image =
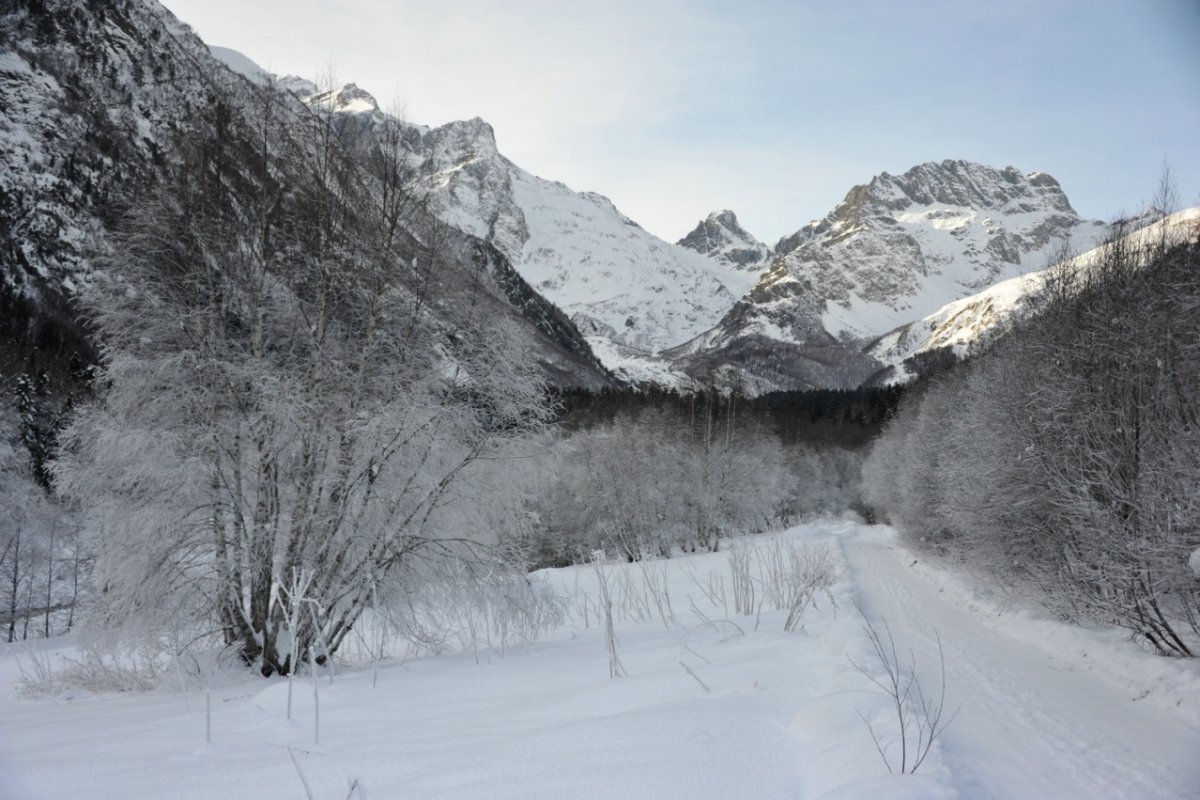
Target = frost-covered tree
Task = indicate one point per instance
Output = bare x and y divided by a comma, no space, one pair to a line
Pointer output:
29,539
649,483
622,489
277,396
821,480
737,476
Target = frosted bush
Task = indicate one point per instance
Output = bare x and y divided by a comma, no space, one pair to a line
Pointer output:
781,574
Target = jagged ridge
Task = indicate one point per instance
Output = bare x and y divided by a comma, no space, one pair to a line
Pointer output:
964,325
720,236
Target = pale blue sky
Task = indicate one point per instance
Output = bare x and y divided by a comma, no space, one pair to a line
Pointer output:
773,109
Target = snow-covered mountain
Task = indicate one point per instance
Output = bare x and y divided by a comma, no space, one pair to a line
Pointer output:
900,247
630,293
86,126
619,281
895,249
964,324
720,236
97,100
790,316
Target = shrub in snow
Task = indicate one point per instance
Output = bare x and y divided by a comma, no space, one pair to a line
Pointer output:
781,573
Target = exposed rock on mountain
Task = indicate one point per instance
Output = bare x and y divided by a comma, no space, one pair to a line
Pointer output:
630,293
795,352
901,247
966,324
94,97
720,236
91,95
896,248
97,99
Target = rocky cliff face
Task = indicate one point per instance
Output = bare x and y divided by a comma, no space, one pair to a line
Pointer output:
92,94
720,237
894,250
631,294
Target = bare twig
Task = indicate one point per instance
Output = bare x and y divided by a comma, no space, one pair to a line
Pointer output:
919,717
688,670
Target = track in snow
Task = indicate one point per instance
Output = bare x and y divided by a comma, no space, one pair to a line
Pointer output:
1030,726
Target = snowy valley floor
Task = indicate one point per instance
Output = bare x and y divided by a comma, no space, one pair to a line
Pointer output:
1045,711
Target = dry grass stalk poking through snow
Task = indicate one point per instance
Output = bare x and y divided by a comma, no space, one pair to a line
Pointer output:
615,669
781,573
918,715
462,606
98,668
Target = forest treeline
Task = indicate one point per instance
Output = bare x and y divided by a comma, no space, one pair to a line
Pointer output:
647,473
847,418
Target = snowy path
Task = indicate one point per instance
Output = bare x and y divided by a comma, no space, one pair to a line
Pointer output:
1030,726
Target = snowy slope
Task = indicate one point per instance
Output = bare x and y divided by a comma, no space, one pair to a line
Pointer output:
963,323
240,64
96,99
713,705
618,281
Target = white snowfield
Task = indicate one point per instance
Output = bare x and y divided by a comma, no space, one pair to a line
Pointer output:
595,263
713,705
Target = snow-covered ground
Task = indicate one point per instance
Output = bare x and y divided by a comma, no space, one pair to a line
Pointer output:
713,704
1047,710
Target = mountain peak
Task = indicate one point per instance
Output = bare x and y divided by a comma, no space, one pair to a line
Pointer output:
902,246
349,99
721,237
958,182
240,63
303,88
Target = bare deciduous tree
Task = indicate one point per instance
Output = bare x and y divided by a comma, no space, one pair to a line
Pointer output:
278,395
